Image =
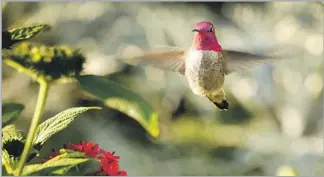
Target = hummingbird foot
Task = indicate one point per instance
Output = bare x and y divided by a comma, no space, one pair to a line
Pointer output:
224,105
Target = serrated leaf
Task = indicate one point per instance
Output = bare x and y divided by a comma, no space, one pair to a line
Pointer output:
12,147
58,164
63,164
57,123
24,33
10,133
87,166
10,112
12,36
121,99
12,141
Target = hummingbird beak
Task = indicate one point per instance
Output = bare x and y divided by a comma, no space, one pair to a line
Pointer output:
195,30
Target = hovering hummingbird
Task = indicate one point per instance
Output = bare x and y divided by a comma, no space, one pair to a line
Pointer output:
204,64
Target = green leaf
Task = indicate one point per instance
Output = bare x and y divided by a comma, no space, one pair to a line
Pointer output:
62,170
57,123
10,133
58,165
30,169
24,33
10,112
12,147
71,153
9,162
121,99
15,35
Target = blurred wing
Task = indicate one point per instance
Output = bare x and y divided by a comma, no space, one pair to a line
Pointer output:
167,58
238,61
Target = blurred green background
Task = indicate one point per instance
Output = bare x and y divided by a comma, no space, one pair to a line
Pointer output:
276,113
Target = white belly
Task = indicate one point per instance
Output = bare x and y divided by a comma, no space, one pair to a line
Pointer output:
204,71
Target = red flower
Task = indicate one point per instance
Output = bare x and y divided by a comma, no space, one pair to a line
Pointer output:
109,162
122,173
90,149
111,168
76,147
110,156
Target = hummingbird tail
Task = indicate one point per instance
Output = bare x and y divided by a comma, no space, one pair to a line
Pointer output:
224,105
219,100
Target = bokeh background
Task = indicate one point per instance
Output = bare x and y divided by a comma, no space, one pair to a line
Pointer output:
275,121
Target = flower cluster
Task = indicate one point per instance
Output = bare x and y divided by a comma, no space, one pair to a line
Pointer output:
109,162
52,62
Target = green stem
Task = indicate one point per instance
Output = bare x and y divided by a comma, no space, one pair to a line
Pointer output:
39,110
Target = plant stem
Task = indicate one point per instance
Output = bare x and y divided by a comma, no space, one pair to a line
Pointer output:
39,110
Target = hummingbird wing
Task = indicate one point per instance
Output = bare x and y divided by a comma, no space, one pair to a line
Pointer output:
166,58
238,61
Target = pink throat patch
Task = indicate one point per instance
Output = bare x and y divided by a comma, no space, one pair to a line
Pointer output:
206,41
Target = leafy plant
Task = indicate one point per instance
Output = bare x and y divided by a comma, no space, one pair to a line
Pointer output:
11,112
49,65
57,123
121,99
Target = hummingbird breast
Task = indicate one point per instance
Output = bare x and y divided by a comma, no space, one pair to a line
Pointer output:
204,71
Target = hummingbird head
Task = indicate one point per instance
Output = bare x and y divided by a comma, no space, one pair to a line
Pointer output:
205,37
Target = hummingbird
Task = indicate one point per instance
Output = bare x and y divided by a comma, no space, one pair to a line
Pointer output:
205,64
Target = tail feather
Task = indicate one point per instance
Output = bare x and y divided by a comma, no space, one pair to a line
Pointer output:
224,105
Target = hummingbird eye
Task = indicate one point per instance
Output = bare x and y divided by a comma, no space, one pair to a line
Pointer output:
211,29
